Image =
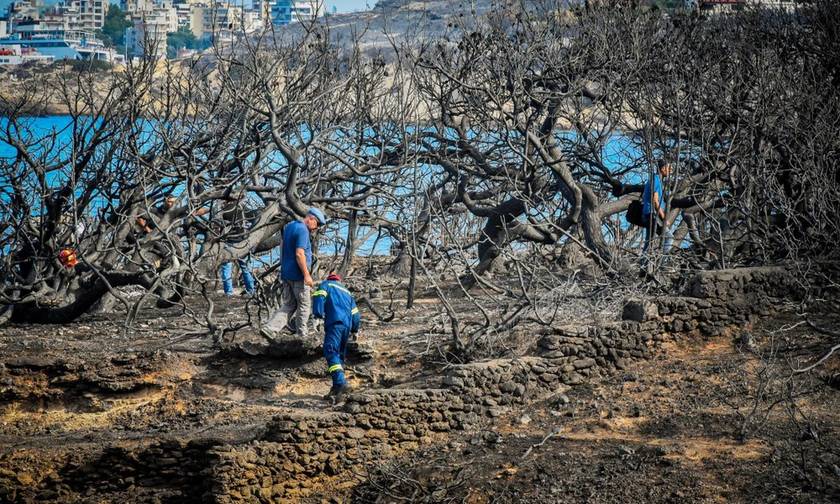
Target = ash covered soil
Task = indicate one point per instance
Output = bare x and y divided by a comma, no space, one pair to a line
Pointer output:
705,420
693,424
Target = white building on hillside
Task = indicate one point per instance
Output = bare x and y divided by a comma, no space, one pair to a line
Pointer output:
160,13
147,35
723,6
284,12
132,6
90,14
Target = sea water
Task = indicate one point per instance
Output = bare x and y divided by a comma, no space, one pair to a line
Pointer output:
51,137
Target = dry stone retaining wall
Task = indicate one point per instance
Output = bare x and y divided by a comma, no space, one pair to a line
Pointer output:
296,448
380,423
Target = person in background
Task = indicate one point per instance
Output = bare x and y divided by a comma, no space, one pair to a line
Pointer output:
145,225
148,223
297,282
653,208
333,303
233,215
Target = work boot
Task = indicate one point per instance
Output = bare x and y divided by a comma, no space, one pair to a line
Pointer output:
337,392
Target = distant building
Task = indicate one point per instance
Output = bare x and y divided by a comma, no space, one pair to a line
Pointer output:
133,6
51,37
147,35
22,10
723,6
185,14
14,54
284,12
152,20
223,23
90,13
84,15
161,13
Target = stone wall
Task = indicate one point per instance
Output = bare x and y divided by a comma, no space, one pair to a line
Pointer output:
182,468
716,300
297,452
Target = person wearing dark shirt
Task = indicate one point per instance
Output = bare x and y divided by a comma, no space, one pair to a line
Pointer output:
297,282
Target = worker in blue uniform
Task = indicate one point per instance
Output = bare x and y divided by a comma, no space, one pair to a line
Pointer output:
333,303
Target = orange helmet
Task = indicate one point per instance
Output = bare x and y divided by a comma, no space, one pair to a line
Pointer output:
68,258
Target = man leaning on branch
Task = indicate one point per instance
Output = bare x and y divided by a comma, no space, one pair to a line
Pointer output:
295,275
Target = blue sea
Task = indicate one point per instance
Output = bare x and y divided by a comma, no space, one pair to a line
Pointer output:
51,136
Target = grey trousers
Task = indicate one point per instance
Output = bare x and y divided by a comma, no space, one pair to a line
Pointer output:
295,301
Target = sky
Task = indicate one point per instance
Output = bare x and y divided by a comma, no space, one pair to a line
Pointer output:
340,5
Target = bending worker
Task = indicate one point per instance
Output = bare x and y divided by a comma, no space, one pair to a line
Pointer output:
335,304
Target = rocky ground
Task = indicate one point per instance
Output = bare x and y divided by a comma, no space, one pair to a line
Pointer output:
663,430
90,413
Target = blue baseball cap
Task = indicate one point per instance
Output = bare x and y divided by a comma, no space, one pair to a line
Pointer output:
319,215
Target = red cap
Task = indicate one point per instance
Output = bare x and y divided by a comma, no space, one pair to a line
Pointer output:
334,276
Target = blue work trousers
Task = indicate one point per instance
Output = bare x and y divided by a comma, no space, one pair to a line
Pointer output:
247,277
335,350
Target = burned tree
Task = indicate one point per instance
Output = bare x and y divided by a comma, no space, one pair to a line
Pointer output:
142,181
544,126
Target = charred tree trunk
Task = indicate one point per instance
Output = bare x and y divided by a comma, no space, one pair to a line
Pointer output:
493,236
403,263
77,303
349,245
412,284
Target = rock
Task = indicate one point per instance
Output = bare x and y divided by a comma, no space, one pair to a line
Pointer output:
574,379
452,381
625,450
748,342
360,351
562,400
639,310
507,387
583,363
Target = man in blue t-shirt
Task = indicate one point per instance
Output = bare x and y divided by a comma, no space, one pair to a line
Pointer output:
295,276
653,205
